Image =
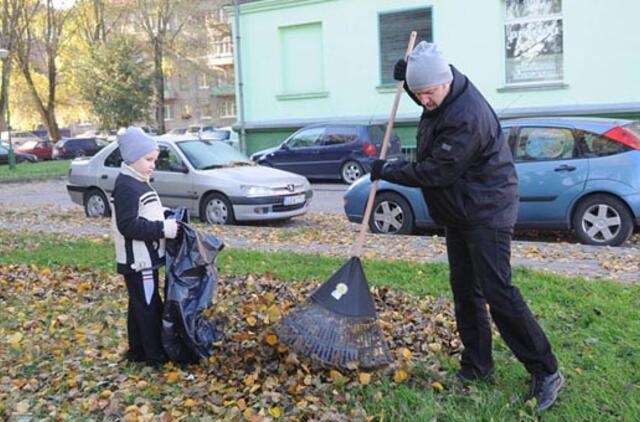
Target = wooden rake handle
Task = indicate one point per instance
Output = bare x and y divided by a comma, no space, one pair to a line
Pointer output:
385,145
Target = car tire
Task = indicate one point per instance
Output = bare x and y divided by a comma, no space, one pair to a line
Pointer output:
391,214
216,209
602,220
351,171
96,204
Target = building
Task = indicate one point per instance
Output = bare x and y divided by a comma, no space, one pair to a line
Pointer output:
305,61
199,84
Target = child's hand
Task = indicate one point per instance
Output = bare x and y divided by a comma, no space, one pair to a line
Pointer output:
171,227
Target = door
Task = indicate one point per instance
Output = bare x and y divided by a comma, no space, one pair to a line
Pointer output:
552,174
300,153
107,173
337,145
171,182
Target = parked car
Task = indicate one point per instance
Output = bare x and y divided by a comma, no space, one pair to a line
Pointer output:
177,131
330,151
199,129
20,157
214,181
580,174
19,138
77,147
41,149
224,134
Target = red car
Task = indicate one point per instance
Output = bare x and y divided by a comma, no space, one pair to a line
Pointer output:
41,149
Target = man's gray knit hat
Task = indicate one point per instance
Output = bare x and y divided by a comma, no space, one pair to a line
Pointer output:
426,67
135,144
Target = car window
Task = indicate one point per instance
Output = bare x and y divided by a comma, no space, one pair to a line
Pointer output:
376,133
336,135
599,146
211,154
3,150
543,144
307,138
114,159
167,160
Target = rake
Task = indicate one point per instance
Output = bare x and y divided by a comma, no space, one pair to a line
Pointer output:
338,325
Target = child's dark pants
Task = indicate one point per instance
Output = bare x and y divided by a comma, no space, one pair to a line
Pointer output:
144,317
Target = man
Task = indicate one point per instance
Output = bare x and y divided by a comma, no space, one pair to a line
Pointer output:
466,172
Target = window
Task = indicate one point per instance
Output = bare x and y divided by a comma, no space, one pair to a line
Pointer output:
301,58
533,41
168,112
203,81
541,144
205,111
599,146
187,111
183,81
168,160
337,135
114,159
306,138
394,30
227,107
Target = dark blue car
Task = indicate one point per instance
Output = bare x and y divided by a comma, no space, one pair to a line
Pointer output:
580,174
329,151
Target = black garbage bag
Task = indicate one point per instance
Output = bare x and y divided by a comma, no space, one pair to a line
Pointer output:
191,279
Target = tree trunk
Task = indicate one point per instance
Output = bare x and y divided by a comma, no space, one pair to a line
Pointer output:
159,84
4,91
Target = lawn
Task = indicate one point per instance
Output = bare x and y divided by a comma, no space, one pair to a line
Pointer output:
593,325
34,171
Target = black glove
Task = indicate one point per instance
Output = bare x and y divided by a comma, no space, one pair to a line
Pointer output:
376,169
400,70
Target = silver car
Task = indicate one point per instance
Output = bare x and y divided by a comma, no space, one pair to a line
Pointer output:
213,180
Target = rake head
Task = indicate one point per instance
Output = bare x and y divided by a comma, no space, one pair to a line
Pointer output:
338,324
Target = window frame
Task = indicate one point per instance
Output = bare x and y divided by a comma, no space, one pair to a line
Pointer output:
555,82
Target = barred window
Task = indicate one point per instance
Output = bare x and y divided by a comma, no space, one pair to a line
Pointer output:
395,28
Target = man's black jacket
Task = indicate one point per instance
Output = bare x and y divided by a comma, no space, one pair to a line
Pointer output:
464,165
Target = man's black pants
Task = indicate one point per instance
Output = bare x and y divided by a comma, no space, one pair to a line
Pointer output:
144,317
480,273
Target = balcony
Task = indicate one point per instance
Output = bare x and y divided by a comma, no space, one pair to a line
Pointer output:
223,90
221,53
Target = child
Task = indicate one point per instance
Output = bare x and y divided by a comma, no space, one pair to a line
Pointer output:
139,229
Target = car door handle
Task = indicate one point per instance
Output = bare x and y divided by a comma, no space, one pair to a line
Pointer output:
104,176
564,167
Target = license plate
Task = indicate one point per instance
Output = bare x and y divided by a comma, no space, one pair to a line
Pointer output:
294,200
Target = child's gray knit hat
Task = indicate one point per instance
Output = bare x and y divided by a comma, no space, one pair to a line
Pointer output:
135,144
426,67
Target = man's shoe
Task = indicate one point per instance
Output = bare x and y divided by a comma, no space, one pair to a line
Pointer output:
469,374
545,389
134,357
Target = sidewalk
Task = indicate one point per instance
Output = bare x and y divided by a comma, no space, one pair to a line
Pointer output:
332,234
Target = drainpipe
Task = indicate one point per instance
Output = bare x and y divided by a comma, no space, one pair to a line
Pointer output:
238,65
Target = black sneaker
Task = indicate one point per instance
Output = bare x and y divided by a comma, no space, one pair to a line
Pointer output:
469,374
545,389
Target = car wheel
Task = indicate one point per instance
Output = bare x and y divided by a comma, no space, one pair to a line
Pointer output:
602,220
391,214
216,209
351,171
96,204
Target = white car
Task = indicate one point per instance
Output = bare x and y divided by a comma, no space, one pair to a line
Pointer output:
213,180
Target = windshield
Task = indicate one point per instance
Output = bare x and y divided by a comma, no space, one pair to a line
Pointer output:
205,155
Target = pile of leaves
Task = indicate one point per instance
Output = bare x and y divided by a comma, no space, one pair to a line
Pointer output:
63,337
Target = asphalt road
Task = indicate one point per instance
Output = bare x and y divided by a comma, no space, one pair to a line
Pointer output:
327,197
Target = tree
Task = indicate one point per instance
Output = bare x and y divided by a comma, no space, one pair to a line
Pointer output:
162,21
40,36
117,82
9,21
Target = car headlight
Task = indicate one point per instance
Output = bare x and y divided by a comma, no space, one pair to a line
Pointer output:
257,190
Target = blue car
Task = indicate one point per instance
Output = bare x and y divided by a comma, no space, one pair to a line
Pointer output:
329,151
580,174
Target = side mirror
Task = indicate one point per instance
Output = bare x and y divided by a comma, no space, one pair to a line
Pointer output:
178,167
285,146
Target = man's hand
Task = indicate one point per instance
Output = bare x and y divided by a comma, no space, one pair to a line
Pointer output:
400,70
376,169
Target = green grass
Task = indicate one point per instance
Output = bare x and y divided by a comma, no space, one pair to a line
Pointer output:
34,171
594,327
